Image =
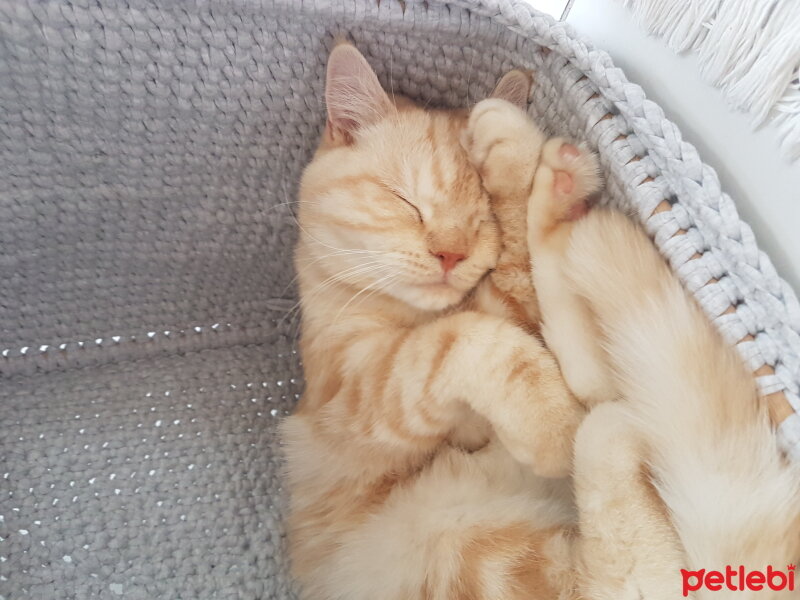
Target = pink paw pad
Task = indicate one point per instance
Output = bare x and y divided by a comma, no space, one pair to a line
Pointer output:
569,152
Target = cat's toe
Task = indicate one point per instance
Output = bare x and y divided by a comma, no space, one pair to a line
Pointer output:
573,175
568,152
576,175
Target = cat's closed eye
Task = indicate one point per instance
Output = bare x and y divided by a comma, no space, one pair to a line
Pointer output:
399,195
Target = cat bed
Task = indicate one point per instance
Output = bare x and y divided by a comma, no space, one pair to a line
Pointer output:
149,157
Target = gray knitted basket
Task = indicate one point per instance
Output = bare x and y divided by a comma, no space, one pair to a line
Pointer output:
149,154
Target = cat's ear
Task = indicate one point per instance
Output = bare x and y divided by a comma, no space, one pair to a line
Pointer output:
515,87
353,94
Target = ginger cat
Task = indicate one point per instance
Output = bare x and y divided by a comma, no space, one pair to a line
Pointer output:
405,377
420,458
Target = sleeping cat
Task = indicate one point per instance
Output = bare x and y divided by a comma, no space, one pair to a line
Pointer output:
420,457
405,376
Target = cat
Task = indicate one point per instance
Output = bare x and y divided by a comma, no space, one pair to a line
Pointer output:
430,419
420,460
683,470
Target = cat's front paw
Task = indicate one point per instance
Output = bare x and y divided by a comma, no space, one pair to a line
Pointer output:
566,179
503,144
540,430
551,457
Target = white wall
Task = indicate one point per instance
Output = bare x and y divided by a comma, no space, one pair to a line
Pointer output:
765,186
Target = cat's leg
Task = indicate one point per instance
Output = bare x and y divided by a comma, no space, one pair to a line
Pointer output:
628,548
554,180
507,168
408,389
478,526
565,179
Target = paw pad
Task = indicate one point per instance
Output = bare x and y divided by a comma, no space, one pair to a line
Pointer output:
574,178
569,152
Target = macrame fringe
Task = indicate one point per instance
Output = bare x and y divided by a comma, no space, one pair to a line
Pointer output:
748,48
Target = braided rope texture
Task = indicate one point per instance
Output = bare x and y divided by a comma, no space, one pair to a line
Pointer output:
149,157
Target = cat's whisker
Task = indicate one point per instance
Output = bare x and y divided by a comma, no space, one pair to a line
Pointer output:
381,288
288,203
295,310
292,202
350,274
345,251
391,75
341,276
321,243
361,291
312,260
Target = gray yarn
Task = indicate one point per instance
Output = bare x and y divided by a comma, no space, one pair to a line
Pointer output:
149,155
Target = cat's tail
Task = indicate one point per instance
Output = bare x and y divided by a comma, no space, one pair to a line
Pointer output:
732,498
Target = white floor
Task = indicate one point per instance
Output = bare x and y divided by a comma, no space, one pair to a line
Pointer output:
764,185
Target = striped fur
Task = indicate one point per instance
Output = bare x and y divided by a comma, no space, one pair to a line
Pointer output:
417,454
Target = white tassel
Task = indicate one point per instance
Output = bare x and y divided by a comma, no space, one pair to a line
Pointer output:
748,48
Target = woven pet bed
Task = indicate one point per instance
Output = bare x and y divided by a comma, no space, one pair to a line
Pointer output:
149,155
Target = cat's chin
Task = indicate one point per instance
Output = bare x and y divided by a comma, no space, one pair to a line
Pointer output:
430,297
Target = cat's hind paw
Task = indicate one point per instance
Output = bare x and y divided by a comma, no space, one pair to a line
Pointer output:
566,180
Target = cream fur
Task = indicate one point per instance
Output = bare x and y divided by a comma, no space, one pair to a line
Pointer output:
684,470
732,498
689,414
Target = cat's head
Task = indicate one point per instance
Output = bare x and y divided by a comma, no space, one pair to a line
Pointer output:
390,204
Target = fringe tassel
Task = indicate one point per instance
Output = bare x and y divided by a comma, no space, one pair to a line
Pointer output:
748,48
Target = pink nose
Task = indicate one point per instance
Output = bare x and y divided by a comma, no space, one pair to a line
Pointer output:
449,259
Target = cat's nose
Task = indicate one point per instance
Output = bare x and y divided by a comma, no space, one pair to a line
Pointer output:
449,259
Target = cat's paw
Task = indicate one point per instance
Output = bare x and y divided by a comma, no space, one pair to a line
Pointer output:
551,458
503,144
540,432
567,178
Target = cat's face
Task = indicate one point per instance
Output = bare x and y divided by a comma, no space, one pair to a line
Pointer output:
390,204
401,211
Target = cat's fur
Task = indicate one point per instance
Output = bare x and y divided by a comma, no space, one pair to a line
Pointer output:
417,456
683,471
